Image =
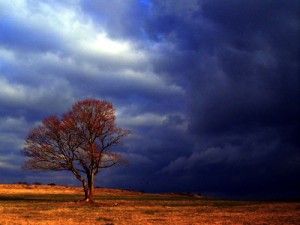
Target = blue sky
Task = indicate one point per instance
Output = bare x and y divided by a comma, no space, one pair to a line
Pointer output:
210,89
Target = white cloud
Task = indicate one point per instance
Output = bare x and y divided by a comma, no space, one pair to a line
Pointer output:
6,165
12,132
11,92
42,97
6,56
77,48
138,159
13,124
210,156
146,119
149,82
101,44
10,142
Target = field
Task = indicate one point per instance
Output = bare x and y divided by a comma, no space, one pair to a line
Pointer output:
43,204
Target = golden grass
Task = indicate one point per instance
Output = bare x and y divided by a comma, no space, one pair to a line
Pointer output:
42,204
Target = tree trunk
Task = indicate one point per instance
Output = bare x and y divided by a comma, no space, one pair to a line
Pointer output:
89,188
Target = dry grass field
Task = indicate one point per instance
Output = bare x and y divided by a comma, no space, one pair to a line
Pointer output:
42,204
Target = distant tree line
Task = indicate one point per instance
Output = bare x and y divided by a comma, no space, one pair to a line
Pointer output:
34,183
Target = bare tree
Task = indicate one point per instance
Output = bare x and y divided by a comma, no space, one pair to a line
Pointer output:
81,142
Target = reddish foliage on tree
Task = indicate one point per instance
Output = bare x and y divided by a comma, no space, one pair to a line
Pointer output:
81,142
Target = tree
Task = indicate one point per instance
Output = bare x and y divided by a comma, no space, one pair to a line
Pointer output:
80,142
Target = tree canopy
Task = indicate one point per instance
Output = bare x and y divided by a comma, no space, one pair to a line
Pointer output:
80,141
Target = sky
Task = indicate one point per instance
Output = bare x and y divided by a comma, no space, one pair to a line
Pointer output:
209,88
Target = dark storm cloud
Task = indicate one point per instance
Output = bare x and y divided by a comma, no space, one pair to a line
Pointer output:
241,60
210,88
255,78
